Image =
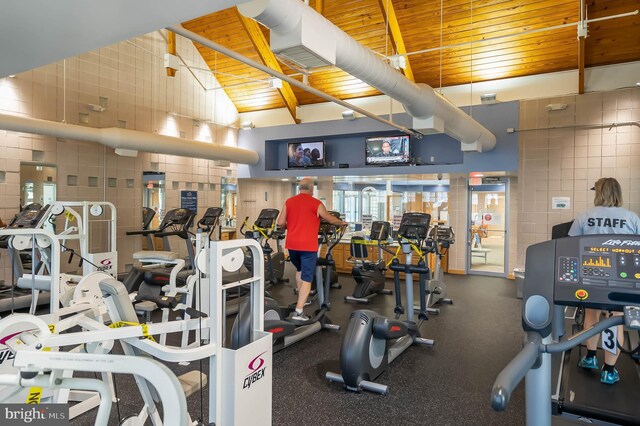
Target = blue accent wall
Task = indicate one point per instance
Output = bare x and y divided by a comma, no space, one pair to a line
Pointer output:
344,144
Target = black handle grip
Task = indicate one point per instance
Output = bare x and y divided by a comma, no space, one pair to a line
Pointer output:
194,313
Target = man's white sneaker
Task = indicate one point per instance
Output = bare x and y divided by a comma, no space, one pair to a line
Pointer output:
300,316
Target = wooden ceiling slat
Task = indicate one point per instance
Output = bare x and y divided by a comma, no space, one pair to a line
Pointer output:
514,54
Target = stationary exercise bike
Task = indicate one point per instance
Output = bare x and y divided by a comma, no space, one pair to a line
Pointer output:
369,276
366,348
285,332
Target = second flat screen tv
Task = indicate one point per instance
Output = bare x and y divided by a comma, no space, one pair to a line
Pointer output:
305,154
387,150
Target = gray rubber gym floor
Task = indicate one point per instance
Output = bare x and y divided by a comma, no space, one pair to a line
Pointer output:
448,384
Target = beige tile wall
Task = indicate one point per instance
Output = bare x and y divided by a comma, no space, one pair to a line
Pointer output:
567,162
140,96
255,195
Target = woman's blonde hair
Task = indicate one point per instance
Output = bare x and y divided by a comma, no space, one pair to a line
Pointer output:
608,193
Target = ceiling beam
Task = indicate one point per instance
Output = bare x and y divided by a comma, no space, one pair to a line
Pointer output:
389,15
260,43
320,6
582,42
171,49
581,54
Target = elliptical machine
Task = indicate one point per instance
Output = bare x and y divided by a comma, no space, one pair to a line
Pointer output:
333,274
286,332
438,243
369,276
366,349
262,230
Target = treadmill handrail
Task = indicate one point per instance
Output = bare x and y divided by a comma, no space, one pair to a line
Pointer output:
514,372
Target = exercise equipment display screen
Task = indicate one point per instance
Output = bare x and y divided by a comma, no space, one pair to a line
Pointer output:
598,269
414,226
266,218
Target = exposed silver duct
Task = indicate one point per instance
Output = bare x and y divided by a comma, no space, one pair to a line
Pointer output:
420,100
130,140
292,81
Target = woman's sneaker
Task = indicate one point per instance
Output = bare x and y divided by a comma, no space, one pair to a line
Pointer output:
610,377
590,363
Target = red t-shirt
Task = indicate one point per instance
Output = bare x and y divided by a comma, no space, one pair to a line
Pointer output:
302,223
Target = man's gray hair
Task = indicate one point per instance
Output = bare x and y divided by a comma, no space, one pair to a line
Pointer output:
306,184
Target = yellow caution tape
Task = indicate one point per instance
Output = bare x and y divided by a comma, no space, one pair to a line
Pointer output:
145,328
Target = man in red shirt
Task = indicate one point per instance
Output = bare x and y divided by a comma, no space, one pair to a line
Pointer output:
301,216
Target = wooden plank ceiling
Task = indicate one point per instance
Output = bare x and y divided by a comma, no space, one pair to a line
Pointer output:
497,40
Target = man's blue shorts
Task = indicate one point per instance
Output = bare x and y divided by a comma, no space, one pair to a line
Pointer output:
305,262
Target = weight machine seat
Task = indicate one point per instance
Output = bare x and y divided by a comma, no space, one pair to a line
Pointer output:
155,255
38,284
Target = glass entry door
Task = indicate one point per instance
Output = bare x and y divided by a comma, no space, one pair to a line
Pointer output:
487,239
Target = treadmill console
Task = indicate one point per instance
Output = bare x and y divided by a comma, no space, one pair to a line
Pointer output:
380,230
178,217
598,271
28,218
266,218
210,217
414,226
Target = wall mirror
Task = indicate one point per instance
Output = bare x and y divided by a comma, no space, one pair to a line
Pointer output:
153,197
37,184
229,201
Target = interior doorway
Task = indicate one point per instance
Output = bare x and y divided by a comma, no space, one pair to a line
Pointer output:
487,227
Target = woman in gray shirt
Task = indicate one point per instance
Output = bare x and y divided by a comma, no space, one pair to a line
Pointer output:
607,217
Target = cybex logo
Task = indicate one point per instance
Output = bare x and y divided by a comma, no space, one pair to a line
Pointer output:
257,370
6,355
105,265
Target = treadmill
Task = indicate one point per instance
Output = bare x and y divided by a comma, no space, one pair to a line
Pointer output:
176,222
13,297
593,271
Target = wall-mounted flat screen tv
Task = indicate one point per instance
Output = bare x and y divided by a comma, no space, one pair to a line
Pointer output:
306,154
387,150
